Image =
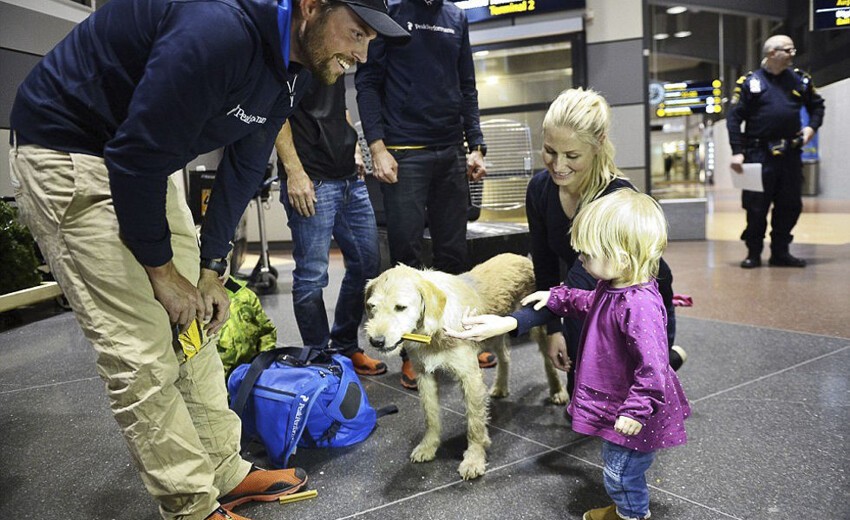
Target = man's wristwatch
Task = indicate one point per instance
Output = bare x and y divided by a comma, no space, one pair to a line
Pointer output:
479,148
219,265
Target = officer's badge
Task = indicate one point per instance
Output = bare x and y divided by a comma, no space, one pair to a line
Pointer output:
755,85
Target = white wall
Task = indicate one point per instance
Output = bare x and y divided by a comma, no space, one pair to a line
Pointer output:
833,141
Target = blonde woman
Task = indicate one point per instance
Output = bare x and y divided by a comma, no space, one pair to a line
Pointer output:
579,159
626,392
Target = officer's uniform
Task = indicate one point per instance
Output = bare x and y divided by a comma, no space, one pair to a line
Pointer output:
770,106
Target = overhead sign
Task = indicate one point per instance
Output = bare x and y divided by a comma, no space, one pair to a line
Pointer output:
829,14
482,10
690,97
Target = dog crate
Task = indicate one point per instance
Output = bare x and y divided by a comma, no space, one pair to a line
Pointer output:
509,166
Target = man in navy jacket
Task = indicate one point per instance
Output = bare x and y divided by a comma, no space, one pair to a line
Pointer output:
128,97
418,103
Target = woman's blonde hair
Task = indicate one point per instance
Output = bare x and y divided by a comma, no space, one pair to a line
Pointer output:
588,115
626,227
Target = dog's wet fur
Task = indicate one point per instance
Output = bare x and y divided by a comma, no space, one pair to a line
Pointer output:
406,300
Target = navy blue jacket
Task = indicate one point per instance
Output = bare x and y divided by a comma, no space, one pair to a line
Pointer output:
770,104
150,84
422,93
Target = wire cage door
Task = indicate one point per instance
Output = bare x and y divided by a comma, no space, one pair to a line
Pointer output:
509,166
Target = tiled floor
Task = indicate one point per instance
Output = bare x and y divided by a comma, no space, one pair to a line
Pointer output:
767,377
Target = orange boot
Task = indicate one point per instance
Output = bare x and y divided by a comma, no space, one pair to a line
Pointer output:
221,514
486,359
262,485
366,366
408,376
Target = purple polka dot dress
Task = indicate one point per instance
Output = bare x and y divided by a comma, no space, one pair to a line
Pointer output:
623,367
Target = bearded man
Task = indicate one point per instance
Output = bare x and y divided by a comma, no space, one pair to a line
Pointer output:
131,95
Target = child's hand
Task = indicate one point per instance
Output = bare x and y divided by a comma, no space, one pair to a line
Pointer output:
479,328
540,297
627,426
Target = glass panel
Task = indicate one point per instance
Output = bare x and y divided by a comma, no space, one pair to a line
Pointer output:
522,75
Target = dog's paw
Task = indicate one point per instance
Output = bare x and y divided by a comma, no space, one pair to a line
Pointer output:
473,466
562,397
499,392
424,452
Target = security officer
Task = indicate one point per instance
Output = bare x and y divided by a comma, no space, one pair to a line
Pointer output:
769,101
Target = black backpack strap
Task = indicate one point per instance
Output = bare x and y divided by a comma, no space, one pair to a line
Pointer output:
262,361
386,410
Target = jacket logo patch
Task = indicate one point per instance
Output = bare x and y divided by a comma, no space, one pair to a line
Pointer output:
429,27
240,114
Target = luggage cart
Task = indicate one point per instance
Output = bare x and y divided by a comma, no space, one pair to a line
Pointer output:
263,278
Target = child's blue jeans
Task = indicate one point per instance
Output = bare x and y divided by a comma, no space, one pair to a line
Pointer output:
625,479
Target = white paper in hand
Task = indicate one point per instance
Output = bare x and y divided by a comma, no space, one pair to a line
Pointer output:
750,180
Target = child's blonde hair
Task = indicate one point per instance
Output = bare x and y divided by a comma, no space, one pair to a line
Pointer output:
588,115
626,227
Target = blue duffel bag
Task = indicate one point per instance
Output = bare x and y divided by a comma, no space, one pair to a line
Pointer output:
295,396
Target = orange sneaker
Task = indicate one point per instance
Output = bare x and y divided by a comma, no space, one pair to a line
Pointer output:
408,376
366,366
262,485
221,514
486,359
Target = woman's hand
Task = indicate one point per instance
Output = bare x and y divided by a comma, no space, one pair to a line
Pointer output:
556,350
480,328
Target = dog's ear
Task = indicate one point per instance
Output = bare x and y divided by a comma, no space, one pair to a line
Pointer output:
367,291
434,302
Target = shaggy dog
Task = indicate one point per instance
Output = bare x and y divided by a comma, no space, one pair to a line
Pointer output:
404,300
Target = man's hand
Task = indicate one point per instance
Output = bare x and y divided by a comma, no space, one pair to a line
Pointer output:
384,165
539,299
475,168
808,133
216,301
359,163
302,195
627,426
180,298
737,163
556,350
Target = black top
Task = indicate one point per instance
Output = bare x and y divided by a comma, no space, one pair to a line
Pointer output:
324,140
770,104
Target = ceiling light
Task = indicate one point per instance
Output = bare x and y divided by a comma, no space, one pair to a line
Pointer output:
676,9
682,30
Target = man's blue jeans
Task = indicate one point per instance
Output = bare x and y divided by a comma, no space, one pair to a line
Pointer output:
344,213
625,479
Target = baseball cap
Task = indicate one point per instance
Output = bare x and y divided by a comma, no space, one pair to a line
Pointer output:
374,13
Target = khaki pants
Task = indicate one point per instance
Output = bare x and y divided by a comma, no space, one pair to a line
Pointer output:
174,417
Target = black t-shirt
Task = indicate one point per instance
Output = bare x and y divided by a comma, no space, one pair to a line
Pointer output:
323,137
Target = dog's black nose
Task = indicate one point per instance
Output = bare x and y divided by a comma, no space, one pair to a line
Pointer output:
378,341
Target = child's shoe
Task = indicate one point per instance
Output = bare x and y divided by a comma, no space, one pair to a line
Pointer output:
608,513
366,366
221,514
678,356
486,359
262,485
408,375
